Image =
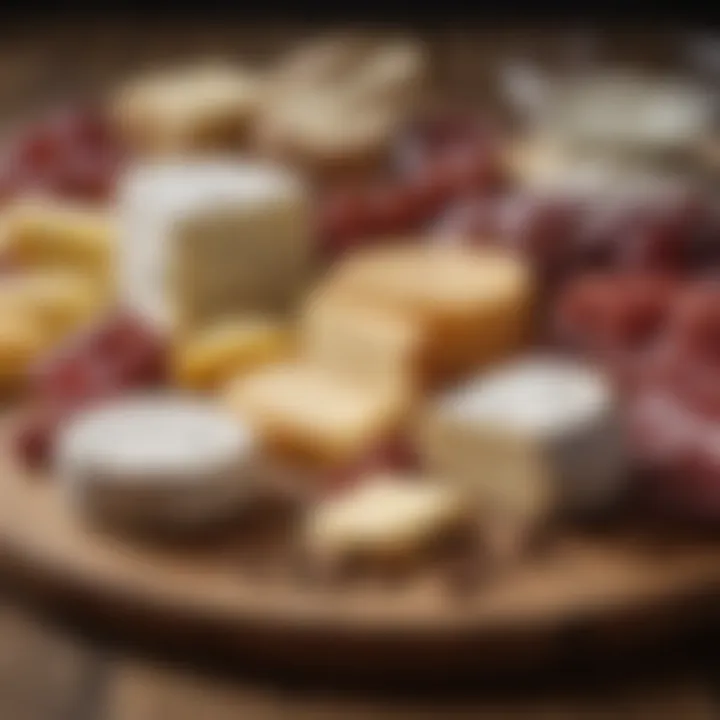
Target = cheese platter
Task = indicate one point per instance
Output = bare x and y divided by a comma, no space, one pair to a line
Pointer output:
301,358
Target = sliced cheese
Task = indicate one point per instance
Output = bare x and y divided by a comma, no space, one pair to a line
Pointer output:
43,233
204,239
470,306
385,517
303,412
530,438
156,462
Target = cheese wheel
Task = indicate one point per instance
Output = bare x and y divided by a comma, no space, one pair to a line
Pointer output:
204,239
156,462
531,438
471,306
303,412
385,517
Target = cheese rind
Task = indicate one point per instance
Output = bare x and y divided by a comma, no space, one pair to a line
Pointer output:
385,517
304,413
156,462
530,438
201,240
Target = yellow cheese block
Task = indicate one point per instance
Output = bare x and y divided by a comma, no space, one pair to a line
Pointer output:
470,306
45,233
22,340
313,417
58,301
212,356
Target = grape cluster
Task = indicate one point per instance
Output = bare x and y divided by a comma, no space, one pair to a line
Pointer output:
72,153
437,162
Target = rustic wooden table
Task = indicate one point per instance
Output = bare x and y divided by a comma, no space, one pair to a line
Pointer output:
51,670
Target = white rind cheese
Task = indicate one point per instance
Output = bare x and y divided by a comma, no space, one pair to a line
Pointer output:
532,437
156,462
200,239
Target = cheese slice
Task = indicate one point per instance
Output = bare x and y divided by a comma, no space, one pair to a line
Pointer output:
469,306
209,358
44,233
532,437
303,412
156,462
385,517
205,239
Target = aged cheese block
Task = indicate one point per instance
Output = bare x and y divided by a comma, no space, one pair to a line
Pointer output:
210,106
42,233
535,436
303,412
22,339
470,306
210,357
201,240
385,517
156,462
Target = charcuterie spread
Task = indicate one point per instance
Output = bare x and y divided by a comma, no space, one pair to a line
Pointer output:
434,327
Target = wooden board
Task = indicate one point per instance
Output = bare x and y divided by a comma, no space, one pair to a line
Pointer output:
214,593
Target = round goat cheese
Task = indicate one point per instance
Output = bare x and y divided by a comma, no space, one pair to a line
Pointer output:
156,461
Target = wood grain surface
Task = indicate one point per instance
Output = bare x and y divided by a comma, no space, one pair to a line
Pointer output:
53,671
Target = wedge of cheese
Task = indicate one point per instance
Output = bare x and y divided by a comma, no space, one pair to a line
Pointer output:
43,233
201,240
531,438
187,110
385,517
305,413
464,307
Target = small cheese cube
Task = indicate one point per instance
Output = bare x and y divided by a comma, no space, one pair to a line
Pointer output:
186,110
47,234
212,356
386,517
22,339
530,438
303,412
58,301
202,240
472,305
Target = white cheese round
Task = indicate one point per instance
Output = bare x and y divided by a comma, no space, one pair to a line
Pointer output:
199,231
545,427
156,461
